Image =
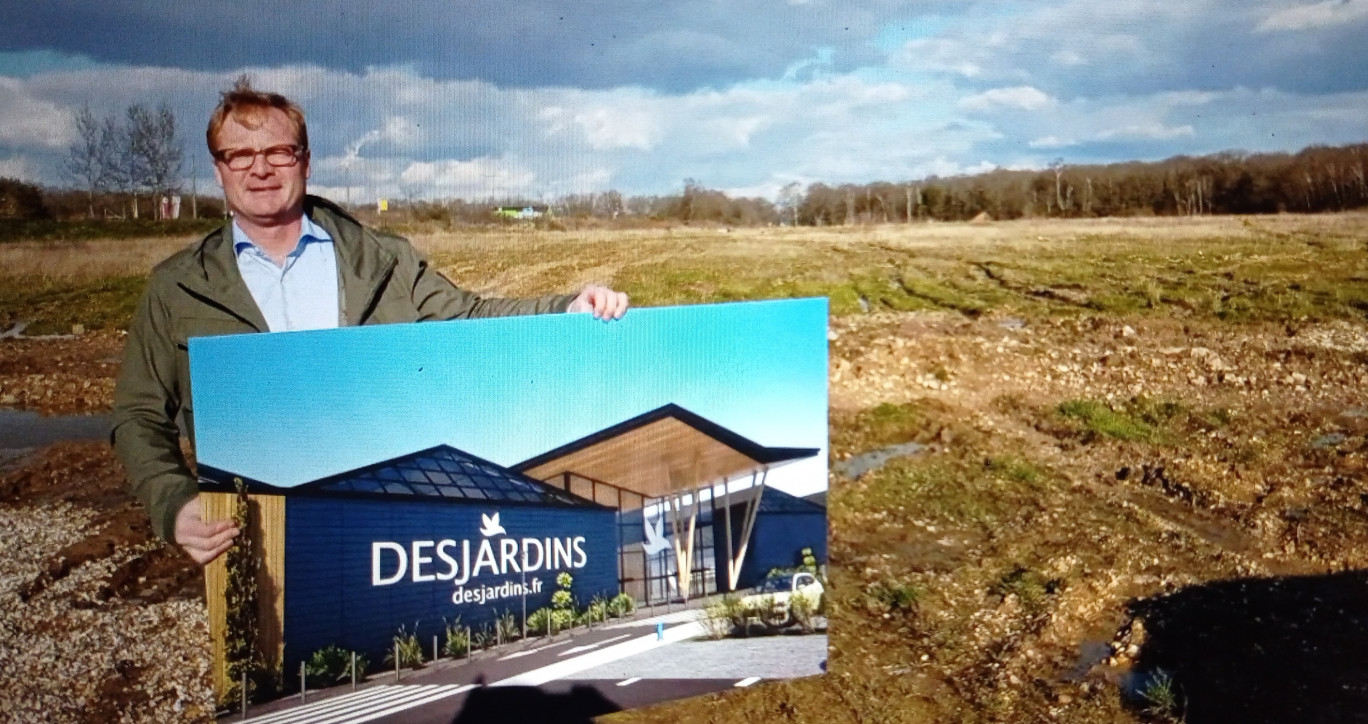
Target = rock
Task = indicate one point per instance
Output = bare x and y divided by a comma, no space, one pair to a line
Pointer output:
1332,439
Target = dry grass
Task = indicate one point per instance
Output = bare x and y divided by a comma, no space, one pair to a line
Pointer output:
1116,410
85,261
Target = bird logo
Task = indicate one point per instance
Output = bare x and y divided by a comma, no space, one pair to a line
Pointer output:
655,535
490,525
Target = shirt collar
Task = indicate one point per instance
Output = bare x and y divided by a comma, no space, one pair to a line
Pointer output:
308,232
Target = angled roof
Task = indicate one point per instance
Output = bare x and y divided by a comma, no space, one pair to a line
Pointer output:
664,451
774,500
438,472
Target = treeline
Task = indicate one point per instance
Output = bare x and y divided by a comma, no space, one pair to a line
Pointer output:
695,205
1316,179
119,162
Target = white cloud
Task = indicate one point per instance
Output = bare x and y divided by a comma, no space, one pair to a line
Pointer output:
29,121
1188,98
1023,98
736,132
1147,131
394,132
475,178
18,168
1048,142
941,55
607,128
1068,58
1319,15
821,60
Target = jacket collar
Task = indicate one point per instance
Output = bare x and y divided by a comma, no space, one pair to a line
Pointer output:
362,268
216,278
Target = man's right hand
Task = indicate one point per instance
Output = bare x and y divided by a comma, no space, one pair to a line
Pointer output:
203,541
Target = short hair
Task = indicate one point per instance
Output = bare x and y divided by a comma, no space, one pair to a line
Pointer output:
248,105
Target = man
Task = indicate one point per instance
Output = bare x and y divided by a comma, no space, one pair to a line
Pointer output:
287,261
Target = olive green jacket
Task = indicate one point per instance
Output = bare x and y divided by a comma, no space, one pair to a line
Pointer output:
199,291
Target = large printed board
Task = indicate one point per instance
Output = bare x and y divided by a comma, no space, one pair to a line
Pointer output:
547,501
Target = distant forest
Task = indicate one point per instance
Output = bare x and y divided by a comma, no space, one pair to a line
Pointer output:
1316,179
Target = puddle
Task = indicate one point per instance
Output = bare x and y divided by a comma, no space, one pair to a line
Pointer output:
21,429
875,459
1090,654
1330,440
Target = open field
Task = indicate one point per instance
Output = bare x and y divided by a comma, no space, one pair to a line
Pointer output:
1142,495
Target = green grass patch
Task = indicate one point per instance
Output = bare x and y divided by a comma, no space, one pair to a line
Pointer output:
884,425
1017,469
852,286
972,300
1030,587
664,284
892,597
52,306
1139,419
1099,419
953,490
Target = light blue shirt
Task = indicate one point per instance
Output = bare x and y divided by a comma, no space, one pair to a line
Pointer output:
302,293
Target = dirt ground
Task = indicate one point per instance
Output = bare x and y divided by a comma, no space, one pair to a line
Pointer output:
1114,516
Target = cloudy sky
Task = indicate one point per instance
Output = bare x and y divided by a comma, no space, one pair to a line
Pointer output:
538,98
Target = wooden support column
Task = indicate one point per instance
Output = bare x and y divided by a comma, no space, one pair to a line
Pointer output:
683,551
683,539
752,507
726,515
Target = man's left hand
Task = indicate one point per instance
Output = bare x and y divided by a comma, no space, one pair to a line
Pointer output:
603,302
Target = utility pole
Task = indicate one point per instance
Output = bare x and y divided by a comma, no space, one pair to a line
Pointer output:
194,198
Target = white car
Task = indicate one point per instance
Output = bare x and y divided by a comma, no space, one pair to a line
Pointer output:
778,591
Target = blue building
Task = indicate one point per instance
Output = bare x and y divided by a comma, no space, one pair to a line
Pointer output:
663,506
431,537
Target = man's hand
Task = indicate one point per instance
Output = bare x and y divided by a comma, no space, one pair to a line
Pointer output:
603,302
203,541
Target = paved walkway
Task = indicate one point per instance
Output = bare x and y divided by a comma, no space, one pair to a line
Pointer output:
766,657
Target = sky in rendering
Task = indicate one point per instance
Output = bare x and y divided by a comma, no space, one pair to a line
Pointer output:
539,98
509,389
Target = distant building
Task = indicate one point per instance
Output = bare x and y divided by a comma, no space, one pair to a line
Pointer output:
522,213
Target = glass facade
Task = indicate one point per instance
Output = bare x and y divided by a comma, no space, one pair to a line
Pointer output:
447,473
653,577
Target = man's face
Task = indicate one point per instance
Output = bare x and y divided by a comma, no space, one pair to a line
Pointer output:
262,194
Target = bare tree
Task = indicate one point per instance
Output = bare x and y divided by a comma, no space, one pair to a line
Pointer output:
155,150
167,155
86,162
609,205
790,196
1057,166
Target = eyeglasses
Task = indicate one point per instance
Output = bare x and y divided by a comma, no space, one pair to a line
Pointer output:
241,159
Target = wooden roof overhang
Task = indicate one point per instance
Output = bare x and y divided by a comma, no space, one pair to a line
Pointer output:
662,453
